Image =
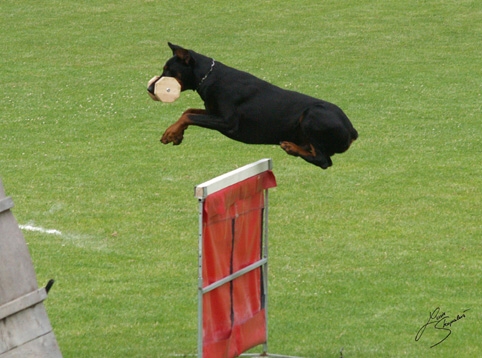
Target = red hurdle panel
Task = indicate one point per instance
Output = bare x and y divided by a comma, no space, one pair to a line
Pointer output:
233,261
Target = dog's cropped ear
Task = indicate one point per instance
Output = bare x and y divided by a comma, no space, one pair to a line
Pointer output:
181,53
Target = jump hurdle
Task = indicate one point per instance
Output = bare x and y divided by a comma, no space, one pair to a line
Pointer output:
233,262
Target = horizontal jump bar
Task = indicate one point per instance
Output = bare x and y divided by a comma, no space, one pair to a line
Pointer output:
201,191
231,277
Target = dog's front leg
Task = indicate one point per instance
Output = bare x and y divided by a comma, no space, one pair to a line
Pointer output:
175,133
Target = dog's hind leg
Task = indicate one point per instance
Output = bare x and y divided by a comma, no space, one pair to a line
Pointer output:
312,155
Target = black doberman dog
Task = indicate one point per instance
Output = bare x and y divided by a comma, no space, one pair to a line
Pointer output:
253,111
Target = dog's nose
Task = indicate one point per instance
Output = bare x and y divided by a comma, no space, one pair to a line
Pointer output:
152,83
150,87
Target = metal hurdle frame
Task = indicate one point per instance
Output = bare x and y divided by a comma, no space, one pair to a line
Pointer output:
201,191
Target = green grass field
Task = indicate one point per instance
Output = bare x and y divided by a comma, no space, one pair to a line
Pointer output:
360,253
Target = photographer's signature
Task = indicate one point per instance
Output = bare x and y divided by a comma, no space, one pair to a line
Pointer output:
441,322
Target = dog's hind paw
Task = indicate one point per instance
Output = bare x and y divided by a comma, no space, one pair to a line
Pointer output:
288,148
294,149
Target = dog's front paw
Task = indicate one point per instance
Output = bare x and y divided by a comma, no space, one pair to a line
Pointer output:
174,134
172,137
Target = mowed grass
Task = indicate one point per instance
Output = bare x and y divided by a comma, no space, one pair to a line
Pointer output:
360,253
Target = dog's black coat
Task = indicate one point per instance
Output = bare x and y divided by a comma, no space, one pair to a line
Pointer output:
250,110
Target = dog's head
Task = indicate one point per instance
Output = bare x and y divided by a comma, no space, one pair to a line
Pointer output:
180,66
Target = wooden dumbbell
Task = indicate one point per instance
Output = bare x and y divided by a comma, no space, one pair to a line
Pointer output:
166,89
